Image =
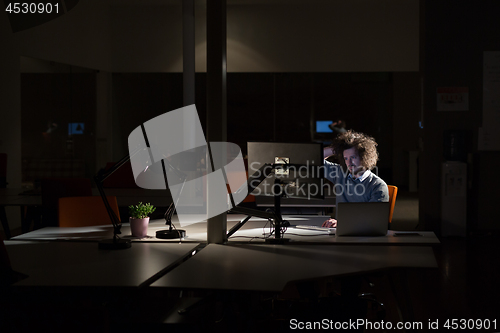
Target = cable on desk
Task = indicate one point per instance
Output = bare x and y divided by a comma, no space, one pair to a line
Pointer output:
283,229
251,238
270,228
322,234
178,233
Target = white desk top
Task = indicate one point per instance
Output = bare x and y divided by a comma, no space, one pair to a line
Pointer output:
74,234
269,267
252,231
83,264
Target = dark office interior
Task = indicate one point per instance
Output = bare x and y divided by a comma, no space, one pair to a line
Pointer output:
378,65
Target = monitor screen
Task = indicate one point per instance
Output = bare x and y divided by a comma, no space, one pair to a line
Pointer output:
75,128
322,126
302,178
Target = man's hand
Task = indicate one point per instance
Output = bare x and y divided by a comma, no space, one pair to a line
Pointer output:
330,223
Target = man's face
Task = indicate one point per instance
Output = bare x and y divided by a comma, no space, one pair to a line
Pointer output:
353,161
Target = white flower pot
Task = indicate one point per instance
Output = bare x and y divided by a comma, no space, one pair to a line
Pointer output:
139,227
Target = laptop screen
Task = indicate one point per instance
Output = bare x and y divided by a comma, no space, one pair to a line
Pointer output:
362,218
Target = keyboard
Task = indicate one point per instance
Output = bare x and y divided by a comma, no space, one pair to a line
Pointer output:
331,231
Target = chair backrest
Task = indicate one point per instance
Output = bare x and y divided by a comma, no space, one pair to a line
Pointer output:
85,211
393,192
54,188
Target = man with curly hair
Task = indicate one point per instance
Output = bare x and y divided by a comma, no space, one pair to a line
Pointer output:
358,183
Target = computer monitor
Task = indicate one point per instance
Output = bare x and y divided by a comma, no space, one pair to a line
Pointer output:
300,168
322,126
75,128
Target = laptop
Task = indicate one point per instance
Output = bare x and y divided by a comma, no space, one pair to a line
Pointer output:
362,219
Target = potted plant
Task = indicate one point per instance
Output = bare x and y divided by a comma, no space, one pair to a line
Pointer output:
139,218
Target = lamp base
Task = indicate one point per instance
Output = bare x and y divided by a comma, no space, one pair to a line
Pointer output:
170,234
115,244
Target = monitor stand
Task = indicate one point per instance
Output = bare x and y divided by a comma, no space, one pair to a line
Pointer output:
275,216
278,221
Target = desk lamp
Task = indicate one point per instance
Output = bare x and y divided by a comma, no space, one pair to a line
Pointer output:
170,233
116,242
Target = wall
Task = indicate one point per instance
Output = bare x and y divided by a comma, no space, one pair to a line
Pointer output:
146,38
80,37
455,39
406,116
10,110
324,36
274,36
59,98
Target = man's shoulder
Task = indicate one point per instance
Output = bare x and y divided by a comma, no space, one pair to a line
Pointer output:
378,184
375,179
378,189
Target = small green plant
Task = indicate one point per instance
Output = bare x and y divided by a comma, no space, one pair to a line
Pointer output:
141,210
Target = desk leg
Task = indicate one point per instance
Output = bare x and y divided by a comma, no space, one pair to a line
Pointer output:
5,222
398,280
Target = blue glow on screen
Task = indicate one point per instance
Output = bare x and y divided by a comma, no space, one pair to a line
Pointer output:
75,128
322,126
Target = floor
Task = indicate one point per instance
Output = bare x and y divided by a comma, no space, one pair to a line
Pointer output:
465,286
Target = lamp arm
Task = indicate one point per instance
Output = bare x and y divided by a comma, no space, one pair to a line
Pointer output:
112,216
182,177
116,242
99,179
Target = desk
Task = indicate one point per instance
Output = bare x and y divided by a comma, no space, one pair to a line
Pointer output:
252,231
83,264
150,262
269,267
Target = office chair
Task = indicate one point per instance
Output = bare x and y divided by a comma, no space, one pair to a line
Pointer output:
393,192
85,211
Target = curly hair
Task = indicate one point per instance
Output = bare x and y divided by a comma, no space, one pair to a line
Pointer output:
364,144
